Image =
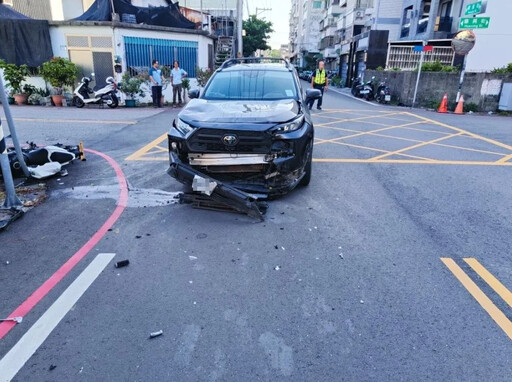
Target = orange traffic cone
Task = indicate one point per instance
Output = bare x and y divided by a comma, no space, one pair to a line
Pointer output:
443,108
460,106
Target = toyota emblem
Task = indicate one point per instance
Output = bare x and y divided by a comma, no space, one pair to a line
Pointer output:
230,140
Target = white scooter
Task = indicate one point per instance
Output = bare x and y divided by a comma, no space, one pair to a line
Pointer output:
107,95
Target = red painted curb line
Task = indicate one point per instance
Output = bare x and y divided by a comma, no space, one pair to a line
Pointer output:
47,286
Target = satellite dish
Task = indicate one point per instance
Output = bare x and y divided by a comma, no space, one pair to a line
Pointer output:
463,42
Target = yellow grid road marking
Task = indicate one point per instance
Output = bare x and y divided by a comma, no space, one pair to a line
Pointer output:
155,152
505,159
89,121
137,155
485,302
368,132
414,147
492,281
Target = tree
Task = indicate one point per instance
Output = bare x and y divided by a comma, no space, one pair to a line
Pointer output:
257,32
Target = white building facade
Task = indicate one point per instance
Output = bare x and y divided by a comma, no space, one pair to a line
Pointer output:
305,34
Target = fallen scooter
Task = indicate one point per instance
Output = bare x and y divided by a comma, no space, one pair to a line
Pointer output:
107,94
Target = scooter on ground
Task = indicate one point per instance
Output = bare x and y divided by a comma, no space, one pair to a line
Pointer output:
107,94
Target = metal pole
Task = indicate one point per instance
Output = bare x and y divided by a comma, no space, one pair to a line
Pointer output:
376,21
419,75
11,200
240,17
202,22
461,80
12,129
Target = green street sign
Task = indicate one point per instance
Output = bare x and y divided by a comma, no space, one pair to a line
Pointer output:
474,8
474,22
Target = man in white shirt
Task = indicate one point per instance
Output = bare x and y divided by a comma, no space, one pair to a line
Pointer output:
176,75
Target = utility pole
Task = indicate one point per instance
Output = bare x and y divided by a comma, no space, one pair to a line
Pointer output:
11,200
240,17
201,5
12,130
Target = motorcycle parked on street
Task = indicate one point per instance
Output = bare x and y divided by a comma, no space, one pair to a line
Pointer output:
107,94
383,94
363,90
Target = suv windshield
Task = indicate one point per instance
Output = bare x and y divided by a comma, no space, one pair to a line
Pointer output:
251,85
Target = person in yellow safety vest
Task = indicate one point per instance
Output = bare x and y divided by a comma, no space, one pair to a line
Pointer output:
319,81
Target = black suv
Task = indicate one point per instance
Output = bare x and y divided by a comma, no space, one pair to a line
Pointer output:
249,130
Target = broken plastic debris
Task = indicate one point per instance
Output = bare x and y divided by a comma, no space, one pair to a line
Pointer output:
277,267
341,255
282,248
52,367
192,258
7,262
122,263
156,334
362,302
203,185
18,320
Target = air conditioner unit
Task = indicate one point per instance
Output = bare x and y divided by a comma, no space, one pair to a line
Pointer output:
359,14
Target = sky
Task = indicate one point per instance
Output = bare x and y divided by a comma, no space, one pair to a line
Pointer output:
279,16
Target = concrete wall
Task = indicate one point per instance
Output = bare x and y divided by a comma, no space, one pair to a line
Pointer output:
483,89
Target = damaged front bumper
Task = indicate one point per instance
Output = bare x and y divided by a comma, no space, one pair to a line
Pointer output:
213,194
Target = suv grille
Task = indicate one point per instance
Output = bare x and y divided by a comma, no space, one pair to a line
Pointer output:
212,140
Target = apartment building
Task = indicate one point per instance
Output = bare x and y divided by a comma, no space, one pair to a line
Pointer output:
434,22
305,18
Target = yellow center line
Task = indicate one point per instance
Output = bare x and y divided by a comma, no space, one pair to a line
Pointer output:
485,302
139,153
414,146
104,122
493,282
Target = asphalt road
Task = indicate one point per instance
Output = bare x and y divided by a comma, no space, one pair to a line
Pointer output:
361,276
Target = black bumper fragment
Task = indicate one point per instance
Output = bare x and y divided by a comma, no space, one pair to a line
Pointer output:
223,197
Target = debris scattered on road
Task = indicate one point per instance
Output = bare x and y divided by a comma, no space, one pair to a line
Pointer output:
122,263
156,334
341,256
282,248
7,262
192,258
138,237
277,267
276,246
52,367
362,301
18,320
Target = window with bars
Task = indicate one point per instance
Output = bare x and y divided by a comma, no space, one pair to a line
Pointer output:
405,58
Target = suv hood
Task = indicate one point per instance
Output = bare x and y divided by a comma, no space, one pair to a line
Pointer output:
265,112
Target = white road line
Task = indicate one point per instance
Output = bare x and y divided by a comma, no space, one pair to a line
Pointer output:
14,360
354,98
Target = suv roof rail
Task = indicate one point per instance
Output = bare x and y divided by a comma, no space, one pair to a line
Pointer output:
255,60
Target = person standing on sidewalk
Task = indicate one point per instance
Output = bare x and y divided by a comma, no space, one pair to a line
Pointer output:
319,81
156,78
176,75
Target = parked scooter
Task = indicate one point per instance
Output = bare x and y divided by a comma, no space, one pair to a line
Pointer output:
107,94
383,94
363,90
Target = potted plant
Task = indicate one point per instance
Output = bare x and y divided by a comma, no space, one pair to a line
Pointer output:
131,87
14,75
60,73
203,75
185,83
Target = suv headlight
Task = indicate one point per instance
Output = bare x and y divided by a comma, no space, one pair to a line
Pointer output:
183,127
290,126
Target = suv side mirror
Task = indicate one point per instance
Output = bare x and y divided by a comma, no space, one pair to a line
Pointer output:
194,93
313,94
